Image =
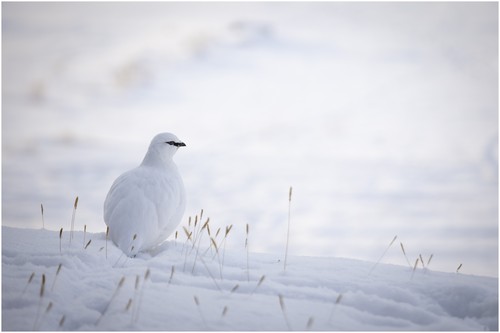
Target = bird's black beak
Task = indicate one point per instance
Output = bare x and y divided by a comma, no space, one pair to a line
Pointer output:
177,144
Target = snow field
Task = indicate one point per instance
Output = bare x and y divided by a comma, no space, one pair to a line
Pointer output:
87,295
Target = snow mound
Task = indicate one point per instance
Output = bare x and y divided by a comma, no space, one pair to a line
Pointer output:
98,288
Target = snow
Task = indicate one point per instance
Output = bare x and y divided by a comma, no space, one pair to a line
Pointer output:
88,295
146,204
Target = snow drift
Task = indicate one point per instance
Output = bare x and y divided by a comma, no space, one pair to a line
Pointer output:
181,287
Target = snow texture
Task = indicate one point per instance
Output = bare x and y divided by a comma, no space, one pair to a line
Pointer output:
89,293
146,204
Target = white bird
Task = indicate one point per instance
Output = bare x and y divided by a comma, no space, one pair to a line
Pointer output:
146,204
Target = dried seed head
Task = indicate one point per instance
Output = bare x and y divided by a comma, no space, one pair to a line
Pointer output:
128,304
217,233
137,278
122,280
58,269
135,236
189,222
416,264
228,229
49,306
205,225
310,321
31,277
261,280
61,322
282,302
214,244
60,233
42,288
235,288
339,298
88,243
247,228
290,194
196,301
460,266
41,207
224,311
201,214
107,232
430,258
402,248
176,234
188,234
421,260
76,203
146,275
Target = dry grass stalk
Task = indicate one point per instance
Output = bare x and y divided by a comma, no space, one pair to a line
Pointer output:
60,240
43,219
217,254
129,304
258,284
228,230
288,231
421,260
197,239
171,275
224,312
29,281
383,254
404,252
141,294
61,322
115,293
283,309
84,234
188,238
42,292
73,221
55,277
136,292
197,302
210,273
309,324
459,266
132,244
429,260
131,249
415,267
47,310
235,288
337,301
88,243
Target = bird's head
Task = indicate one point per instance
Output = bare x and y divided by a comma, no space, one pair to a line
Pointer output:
163,147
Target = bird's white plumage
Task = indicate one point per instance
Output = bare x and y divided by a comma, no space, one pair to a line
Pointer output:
146,204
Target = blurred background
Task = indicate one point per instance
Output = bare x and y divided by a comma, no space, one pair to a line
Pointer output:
382,116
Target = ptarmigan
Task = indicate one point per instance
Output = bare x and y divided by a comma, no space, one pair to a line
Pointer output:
146,204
